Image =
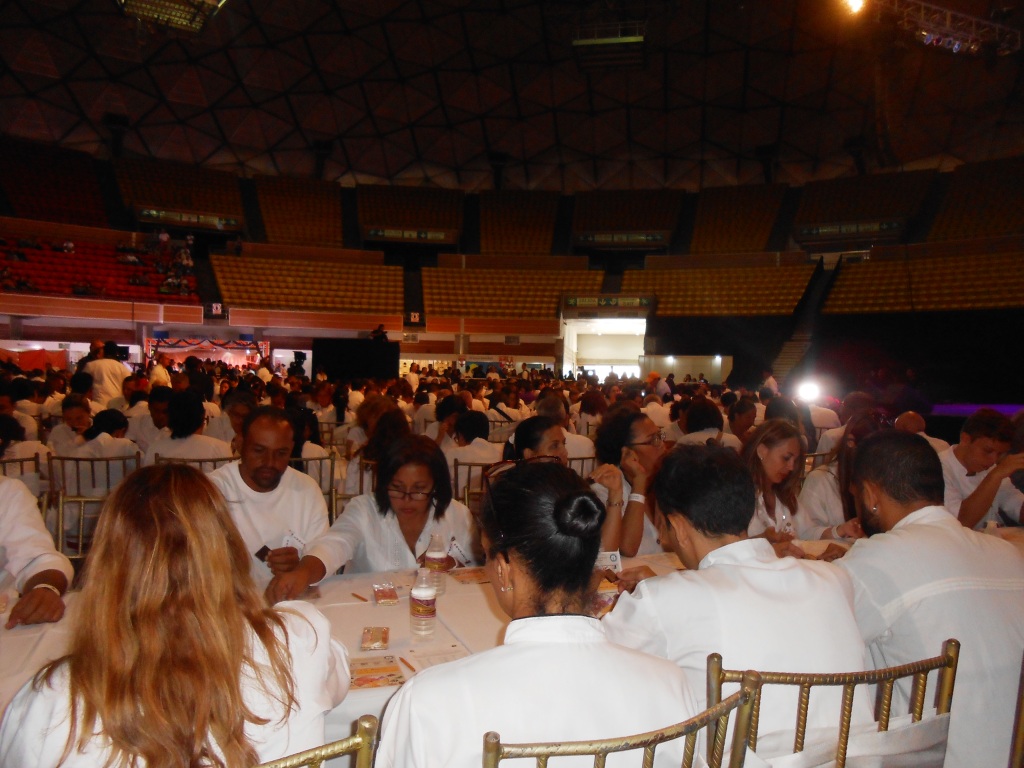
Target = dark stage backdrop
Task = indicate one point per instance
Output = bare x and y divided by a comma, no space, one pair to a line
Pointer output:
356,358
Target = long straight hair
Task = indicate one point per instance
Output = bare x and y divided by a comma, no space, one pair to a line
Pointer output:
170,618
771,433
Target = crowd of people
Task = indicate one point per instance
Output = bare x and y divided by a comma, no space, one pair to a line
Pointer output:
193,578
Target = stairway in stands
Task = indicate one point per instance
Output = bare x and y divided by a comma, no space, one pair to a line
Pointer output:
790,355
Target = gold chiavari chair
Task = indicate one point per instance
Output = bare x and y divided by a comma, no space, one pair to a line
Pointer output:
321,469
79,486
468,482
28,470
366,484
362,746
812,460
825,754
204,465
500,430
583,466
329,433
742,702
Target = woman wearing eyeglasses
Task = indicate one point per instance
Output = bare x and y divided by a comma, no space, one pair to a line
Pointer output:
390,529
628,446
550,680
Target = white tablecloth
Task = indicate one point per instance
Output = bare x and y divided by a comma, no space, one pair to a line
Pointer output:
469,621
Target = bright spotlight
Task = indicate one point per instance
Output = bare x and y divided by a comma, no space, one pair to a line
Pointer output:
670,360
808,391
855,6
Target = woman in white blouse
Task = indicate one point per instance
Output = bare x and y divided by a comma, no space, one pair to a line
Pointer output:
551,679
774,455
390,528
174,658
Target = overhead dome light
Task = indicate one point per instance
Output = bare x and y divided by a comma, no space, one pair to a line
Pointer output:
855,6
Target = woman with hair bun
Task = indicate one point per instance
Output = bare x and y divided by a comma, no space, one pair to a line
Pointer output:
174,657
550,680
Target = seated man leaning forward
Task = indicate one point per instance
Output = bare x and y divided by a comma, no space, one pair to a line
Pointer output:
390,528
737,598
279,511
28,558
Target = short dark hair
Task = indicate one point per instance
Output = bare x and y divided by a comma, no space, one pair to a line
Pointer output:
709,485
988,422
450,406
108,421
160,394
782,408
74,400
81,383
703,414
614,434
741,407
414,449
529,433
472,425
549,517
279,415
185,414
903,465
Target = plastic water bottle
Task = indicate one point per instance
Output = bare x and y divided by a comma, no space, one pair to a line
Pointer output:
436,561
423,605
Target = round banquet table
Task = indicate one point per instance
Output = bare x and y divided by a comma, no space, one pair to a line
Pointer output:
469,621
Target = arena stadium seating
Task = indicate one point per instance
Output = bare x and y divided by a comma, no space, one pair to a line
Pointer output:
983,200
736,219
502,292
51,184
722,291
300,211
190,188
311,285
517,221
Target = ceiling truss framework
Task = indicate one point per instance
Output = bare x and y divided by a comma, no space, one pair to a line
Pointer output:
430,92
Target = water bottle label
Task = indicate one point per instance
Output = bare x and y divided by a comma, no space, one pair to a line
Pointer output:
435,561
423,607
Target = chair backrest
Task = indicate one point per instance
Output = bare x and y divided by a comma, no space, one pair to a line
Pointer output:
321,469
205,465
367,476
332,433
80,486
362,746
583,466
468,475
28,470
945,663
742,702
1017,744
500,430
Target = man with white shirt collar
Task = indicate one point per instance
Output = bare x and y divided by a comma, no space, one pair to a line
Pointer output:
737,597
921,578
150,426
447,411
186,418
913,422
977,471
471,429
29,424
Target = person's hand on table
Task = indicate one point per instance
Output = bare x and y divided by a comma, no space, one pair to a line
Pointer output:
41,602
832,552
777,537
630,577
282,560
291,584
850,530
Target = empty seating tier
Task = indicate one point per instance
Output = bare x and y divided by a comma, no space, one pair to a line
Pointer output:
315,286
716,292
929,284
983,200
517,221
633,211
51,184
149,183
511,293
414,208
736,219
300,211
885,196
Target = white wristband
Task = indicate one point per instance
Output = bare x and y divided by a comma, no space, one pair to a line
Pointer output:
637,497
835,532
49,587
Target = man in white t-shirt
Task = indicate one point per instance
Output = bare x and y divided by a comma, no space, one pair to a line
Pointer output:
108,374
977,471
279,511
471,429
913,422
186,419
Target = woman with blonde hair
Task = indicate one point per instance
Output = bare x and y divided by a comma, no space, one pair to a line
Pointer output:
175,659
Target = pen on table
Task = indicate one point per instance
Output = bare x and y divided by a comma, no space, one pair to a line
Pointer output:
360,597
410,666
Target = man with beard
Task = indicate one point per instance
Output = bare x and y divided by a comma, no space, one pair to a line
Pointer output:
278,510
922,577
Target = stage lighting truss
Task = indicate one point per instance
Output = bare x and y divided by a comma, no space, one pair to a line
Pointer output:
949,30
182,15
